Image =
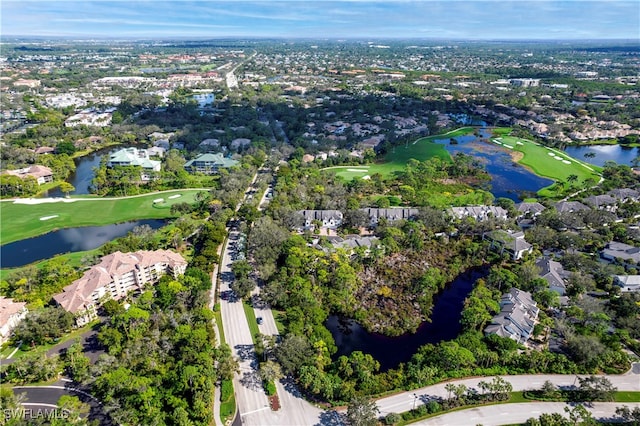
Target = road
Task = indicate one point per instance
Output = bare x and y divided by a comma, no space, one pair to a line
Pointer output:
46,398
405,401
505,414
253,405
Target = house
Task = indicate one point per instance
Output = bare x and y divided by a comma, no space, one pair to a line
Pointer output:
615,251
392,214
208,164
570,206
509,241
553,273
328,219
11,313
114,277
517,317
240,143
41,174
128,157
156,151
625,194
478,213
529,209
602,202
627,282
44,150
353,242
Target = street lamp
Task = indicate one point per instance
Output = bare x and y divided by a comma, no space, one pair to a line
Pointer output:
415,398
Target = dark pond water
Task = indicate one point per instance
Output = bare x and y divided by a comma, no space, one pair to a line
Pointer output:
45,246
603,153
81,178
391,351
508,179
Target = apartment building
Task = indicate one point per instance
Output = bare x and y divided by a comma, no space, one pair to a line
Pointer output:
114,277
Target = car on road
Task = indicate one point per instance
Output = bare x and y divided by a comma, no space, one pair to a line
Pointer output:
259,320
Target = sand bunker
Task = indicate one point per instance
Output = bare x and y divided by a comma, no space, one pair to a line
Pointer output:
507,146
175,196
48,217
159,200
557,158
551,154
566,161
43,200
366,177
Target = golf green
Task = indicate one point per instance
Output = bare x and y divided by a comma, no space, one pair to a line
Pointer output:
23,220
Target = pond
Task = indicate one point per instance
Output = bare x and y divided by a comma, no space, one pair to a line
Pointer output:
600,154
83,175
84,238
508,179
391,351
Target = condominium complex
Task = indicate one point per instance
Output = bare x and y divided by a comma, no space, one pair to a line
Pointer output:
114,277
11,313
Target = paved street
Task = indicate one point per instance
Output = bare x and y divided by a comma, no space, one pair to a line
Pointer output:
496,415
405,401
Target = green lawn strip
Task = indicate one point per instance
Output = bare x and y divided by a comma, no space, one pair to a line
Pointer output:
518,397
251,319
227,406
44,348
218,317
74,259
279,317
20,221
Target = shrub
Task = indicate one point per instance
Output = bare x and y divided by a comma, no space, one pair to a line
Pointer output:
270,387
392,419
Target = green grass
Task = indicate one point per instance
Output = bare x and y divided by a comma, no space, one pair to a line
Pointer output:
20,221
228,407
279,317
627,396
74,259
251,319
538,159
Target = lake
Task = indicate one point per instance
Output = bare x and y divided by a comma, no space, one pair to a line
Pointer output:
603,153
391,351
83,175
508,179
68,240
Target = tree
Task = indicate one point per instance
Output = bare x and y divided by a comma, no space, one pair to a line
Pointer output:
294,352
75,408
270,371
243,287
596,388
66,187
579,415
362,411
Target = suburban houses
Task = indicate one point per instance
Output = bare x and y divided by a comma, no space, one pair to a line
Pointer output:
478,213
553,273
627,283
114,277
509,242
620,252
127,157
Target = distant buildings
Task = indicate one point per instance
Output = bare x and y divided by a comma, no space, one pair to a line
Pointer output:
478,213
89,118
11,313
42,174
209,164
525,82
517,317
114,277
391,215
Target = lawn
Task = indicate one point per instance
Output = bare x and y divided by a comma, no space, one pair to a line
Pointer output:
549,162
422,149
21,221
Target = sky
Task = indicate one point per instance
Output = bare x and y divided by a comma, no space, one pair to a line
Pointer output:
470,19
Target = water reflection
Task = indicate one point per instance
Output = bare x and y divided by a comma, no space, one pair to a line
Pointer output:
600,154
84,238
391,351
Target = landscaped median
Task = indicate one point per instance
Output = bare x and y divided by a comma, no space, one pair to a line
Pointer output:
25,218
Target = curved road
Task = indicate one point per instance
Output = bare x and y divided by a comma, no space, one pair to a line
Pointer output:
504,414
405,401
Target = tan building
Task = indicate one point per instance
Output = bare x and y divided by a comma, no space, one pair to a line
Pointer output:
11,313
42,174
114,277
